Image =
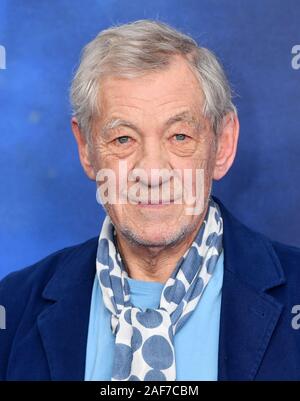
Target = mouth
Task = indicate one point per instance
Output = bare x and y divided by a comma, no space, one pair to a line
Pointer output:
154,202
159,204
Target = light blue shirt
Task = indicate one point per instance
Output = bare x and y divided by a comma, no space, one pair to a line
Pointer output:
196,344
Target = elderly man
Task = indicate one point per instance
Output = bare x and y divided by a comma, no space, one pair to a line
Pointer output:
174,287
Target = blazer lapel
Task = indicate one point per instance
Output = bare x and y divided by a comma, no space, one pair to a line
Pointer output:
63,325
248,320
248,314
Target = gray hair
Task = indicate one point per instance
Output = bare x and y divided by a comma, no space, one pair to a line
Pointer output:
133,49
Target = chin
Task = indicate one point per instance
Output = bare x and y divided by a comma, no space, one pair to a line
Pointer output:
155,236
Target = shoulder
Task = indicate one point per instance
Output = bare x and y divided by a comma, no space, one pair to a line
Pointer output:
36,276
289,257
21,292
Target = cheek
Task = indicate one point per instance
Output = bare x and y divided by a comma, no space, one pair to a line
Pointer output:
103,160
204,162
206,156
201,160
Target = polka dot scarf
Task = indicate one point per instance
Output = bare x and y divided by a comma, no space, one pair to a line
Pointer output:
144,345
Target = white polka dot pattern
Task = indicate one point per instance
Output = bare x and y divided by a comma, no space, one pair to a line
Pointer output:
144,345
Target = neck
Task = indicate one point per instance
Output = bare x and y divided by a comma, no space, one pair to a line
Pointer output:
153,263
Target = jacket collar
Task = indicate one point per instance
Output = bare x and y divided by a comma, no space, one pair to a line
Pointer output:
248,314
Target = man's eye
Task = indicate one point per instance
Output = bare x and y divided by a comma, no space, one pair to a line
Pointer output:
123,139
180,137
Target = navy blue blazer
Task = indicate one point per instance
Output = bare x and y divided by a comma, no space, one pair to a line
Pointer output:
47,311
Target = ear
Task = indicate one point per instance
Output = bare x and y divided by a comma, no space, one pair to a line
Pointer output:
226,145
83,149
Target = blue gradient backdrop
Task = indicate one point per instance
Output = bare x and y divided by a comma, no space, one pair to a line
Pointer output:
47,203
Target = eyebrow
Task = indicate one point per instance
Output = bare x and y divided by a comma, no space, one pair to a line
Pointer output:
183,116
115,123
118,122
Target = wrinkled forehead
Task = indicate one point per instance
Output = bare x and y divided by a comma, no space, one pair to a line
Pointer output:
174,87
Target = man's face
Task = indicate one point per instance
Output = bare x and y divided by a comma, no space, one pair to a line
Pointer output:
158,124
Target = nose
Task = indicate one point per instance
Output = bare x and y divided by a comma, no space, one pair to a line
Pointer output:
152,160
